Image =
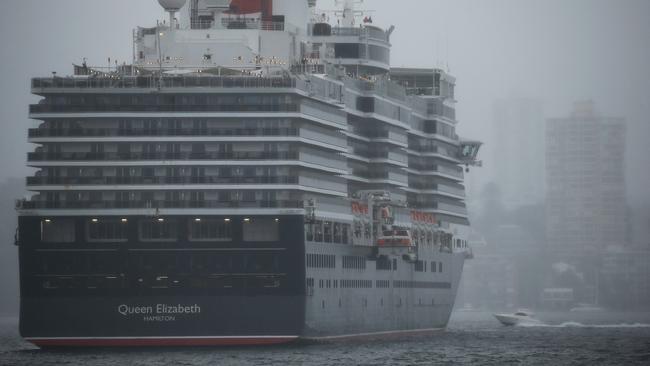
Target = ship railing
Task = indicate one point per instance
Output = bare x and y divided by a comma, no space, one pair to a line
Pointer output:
103,132
307,68
455,191
370,175
458,173
248,23
75,156
369,153
433,106
379,86
372,134
439,206
147,204
44,180
85,108
438,187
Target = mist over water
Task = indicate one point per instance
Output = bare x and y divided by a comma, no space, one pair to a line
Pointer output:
472,338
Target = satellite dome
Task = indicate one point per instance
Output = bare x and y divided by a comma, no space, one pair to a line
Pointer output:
172,5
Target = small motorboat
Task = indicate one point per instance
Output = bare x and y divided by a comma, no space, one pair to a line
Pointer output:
519,317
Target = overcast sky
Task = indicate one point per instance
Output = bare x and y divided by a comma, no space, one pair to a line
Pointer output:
555,50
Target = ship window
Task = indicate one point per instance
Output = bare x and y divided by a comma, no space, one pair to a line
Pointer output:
379,53
419,266
107,229
366,104
383,263
202,229
440,267
158,229
354,262
394,264
310,232
261,229
318,227
344,233
58,230
433,267
346,50
337,232
321,261
327,232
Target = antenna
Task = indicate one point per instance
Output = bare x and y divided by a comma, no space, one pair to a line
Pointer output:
349,11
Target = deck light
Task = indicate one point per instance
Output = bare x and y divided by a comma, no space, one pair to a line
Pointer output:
226,220
95,220
161,220
277,220
48,220
125,220
197,219
247,220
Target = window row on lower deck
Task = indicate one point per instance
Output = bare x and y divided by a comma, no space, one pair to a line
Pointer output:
158,229
47,286
157,264
382,263
356,283
56,272
328,232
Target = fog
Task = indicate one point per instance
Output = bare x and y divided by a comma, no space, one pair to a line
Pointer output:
552,52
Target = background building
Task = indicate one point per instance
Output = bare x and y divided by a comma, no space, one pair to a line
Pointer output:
585,192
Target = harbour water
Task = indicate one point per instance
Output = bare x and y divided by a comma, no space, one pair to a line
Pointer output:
472,338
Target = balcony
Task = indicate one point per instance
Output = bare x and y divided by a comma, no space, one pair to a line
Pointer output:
370,175
148,204
33,181
432,168
82,156
460,210
85,108
439,188
134,132
369,32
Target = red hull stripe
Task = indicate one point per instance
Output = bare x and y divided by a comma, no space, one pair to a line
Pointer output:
161,342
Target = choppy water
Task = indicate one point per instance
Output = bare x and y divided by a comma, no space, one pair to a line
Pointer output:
472,338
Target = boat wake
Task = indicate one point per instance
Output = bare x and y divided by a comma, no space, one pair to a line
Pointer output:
581,325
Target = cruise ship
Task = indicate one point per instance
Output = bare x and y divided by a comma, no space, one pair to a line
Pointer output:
258,174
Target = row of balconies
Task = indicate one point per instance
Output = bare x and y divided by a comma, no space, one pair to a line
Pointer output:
454,172
96,108
149,82
461,210
159,180
107,132
109,156
153,204
438,187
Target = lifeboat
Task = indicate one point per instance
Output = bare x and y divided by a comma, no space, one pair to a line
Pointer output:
395,238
